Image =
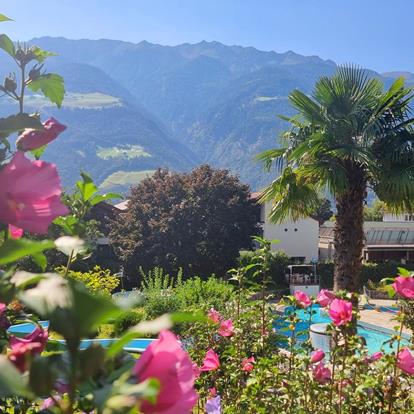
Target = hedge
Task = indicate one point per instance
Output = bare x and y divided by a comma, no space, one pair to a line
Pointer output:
370,271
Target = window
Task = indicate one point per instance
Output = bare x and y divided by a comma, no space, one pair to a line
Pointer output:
298,259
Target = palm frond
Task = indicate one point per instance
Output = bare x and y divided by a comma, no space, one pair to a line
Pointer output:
292,197
274,156
395,186
308,109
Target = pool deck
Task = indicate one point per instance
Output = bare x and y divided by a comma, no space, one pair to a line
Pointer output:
384,319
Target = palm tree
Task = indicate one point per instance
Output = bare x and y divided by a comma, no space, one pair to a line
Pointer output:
349,137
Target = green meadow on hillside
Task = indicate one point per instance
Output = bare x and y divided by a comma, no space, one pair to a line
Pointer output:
122,180
95,100
123,152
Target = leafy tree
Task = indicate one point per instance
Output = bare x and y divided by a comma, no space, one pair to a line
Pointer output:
323,212
196,221
376,212
348,136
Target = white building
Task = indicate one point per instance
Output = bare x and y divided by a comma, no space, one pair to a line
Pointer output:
299,240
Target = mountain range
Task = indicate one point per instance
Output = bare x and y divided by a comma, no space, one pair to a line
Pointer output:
131,108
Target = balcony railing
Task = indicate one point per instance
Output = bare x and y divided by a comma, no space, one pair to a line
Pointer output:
300,279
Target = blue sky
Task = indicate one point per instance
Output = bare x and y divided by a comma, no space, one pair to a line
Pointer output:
373,33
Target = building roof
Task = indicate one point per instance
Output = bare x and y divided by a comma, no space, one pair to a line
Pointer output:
383,236
256,195
122,206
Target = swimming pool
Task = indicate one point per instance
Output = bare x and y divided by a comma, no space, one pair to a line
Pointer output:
389,309
375,336
135,345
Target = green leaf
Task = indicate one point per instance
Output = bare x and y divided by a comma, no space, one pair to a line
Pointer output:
41,377
154,326
41,260
13,250
15,123
91,361
119,345
102,197
51,85
73,311
23,279
7,45
147,389
145,327
11,381
182,317
37,153
390,290
87,187
123,395
4,18
404,272
41,55
67,223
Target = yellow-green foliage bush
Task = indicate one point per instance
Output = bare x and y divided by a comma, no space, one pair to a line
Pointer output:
129,319
96,280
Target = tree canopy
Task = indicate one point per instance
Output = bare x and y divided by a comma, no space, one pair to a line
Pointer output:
197,221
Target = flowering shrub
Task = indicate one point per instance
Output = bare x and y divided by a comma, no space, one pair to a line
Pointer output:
235,375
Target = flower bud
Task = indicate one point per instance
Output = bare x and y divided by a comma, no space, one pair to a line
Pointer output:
10,84
24,55
35,72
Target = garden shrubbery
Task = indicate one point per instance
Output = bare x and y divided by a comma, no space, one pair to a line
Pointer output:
278,263
374,272
96,280
165,294
129,319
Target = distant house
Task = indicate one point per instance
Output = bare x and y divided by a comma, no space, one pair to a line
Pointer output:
388,240
299,240
104,212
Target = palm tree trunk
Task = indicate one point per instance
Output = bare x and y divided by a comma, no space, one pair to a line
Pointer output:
349,232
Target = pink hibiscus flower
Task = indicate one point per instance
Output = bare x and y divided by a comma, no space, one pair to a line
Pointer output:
325,297
340,311
166,361
321,374
30,194
247,364
404,286
211,361
405,361
39,335
226,328
32,139
317,356
303,299
214,316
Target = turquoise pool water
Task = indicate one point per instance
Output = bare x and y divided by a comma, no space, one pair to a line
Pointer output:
135,345
375,339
